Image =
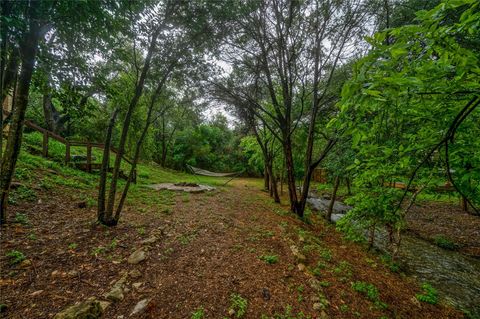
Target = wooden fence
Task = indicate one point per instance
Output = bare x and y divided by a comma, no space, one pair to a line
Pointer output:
88,166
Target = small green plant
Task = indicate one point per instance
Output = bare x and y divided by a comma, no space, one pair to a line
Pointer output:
429,295
370,291
288,314
326,254
198,314
98,250
269,259
444,242
72,246
32,236
344,308
141,231
238,305
21,219
15,257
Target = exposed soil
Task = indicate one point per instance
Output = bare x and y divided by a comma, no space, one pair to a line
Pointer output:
431,220
209,248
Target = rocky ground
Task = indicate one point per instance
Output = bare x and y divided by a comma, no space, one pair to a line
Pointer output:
226,253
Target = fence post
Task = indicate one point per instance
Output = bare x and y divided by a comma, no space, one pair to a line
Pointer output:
45,144
67,153
89,158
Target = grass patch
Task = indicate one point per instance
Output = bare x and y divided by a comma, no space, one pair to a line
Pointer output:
15,257
269,259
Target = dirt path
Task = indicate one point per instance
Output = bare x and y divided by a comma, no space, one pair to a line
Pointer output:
209,249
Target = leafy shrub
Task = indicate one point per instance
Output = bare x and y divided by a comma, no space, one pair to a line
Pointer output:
429,294
238,305
370,291
16,257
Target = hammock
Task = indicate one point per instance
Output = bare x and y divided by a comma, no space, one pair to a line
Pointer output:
204,172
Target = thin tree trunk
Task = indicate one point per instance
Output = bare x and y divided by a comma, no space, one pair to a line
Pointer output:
126,125
332,200
349,186
266,177
28,53
104,169
292,190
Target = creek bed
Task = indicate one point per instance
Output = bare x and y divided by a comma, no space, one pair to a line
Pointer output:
455,276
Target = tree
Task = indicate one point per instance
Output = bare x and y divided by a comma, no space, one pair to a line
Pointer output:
410,109
290,50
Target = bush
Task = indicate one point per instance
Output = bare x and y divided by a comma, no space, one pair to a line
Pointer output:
429,295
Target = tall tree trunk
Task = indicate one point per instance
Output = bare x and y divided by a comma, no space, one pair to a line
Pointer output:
332,200
126,125
349,186
28,54
104,169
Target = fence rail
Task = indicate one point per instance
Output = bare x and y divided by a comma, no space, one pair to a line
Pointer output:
88,166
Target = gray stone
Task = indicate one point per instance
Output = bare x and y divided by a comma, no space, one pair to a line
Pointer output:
301,267
116,294
135,273
140,307
150,240
300,257
89,309
320,204
137,256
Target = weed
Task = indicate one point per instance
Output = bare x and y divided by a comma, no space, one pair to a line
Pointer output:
72,246
98,250
370,291
326,254
429,294
344,308
141,231
198,314
21,219
185,239
32,236
15,257
444,242
23,193
344,268
317,271
269,259
238,305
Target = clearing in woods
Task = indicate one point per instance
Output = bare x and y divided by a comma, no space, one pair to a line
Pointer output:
226,253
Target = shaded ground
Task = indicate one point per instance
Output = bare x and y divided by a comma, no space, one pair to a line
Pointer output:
210,247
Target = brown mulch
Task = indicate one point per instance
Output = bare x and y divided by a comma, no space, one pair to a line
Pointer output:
209,249
431,219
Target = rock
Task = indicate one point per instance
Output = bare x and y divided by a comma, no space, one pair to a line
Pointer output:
321,204
266,294
317,306
315,284
231,312
89,309
82,204
36,293
150,240
137,285
116,294
140,306
300,257
137,256
301,267
104,304
135,273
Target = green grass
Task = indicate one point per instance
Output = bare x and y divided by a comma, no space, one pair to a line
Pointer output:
370,291
198,314
444,242
269,259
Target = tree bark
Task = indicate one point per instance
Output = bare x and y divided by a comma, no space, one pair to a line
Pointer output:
104,169
28,53
126,125
332,200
